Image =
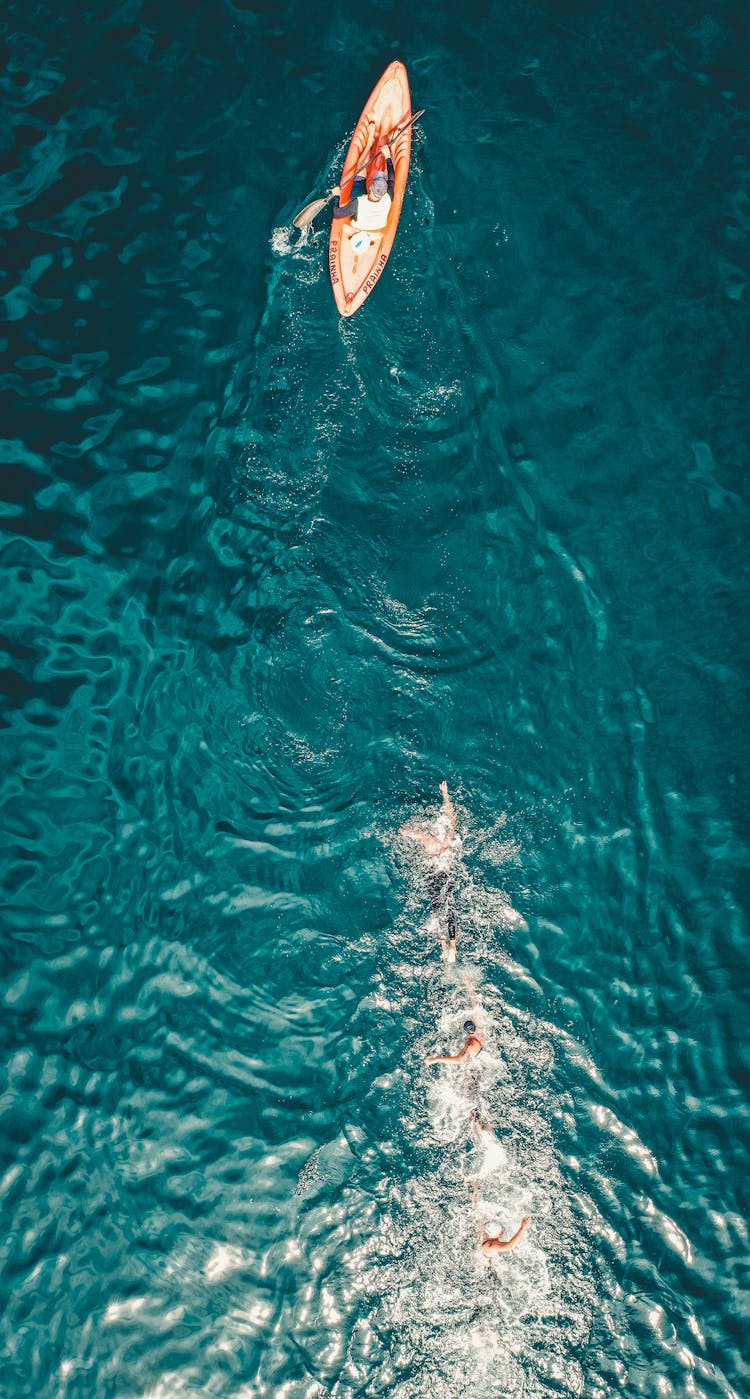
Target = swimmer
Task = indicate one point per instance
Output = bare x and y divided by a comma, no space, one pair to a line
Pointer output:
440,843
488,1233
440,839
473,1045
490,1241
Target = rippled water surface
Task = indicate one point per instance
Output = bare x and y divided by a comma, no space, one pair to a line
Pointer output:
269,577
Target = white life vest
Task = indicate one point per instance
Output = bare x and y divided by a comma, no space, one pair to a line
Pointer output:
372,214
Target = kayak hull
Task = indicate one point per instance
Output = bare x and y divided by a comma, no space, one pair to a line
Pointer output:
356,258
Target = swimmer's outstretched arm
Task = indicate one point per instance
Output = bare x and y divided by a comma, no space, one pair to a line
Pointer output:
411,832
490,1245
488,1242
429,842
464,1053
448,806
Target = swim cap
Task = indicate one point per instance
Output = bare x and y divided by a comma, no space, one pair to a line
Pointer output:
470,1027
379,183
494,1228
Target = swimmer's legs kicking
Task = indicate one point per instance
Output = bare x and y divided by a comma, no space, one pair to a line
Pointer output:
482,1129
449,947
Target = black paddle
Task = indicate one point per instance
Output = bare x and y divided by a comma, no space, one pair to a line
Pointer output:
311,210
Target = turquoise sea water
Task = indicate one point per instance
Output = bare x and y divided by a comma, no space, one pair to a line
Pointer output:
267,577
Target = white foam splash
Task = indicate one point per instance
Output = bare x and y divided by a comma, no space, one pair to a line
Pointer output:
287,241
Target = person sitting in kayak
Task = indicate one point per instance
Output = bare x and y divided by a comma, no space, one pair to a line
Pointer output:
371,198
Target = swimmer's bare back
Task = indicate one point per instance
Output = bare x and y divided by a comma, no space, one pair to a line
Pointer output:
472,1046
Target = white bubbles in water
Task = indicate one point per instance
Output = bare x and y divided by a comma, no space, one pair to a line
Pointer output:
421,1311
288,241
302,251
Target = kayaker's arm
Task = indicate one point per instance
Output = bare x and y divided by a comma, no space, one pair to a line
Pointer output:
347,211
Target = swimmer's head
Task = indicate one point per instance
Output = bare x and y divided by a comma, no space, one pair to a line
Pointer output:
493,1228
470,1027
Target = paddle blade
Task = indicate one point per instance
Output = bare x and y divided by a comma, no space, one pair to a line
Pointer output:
310,212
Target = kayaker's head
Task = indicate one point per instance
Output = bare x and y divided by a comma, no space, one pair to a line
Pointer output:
377,179
379,186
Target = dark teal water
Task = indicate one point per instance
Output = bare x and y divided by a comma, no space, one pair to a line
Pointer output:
267,578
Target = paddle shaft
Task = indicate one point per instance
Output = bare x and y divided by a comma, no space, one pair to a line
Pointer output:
311,210
397,131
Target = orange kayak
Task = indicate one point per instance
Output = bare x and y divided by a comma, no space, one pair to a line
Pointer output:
357,256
